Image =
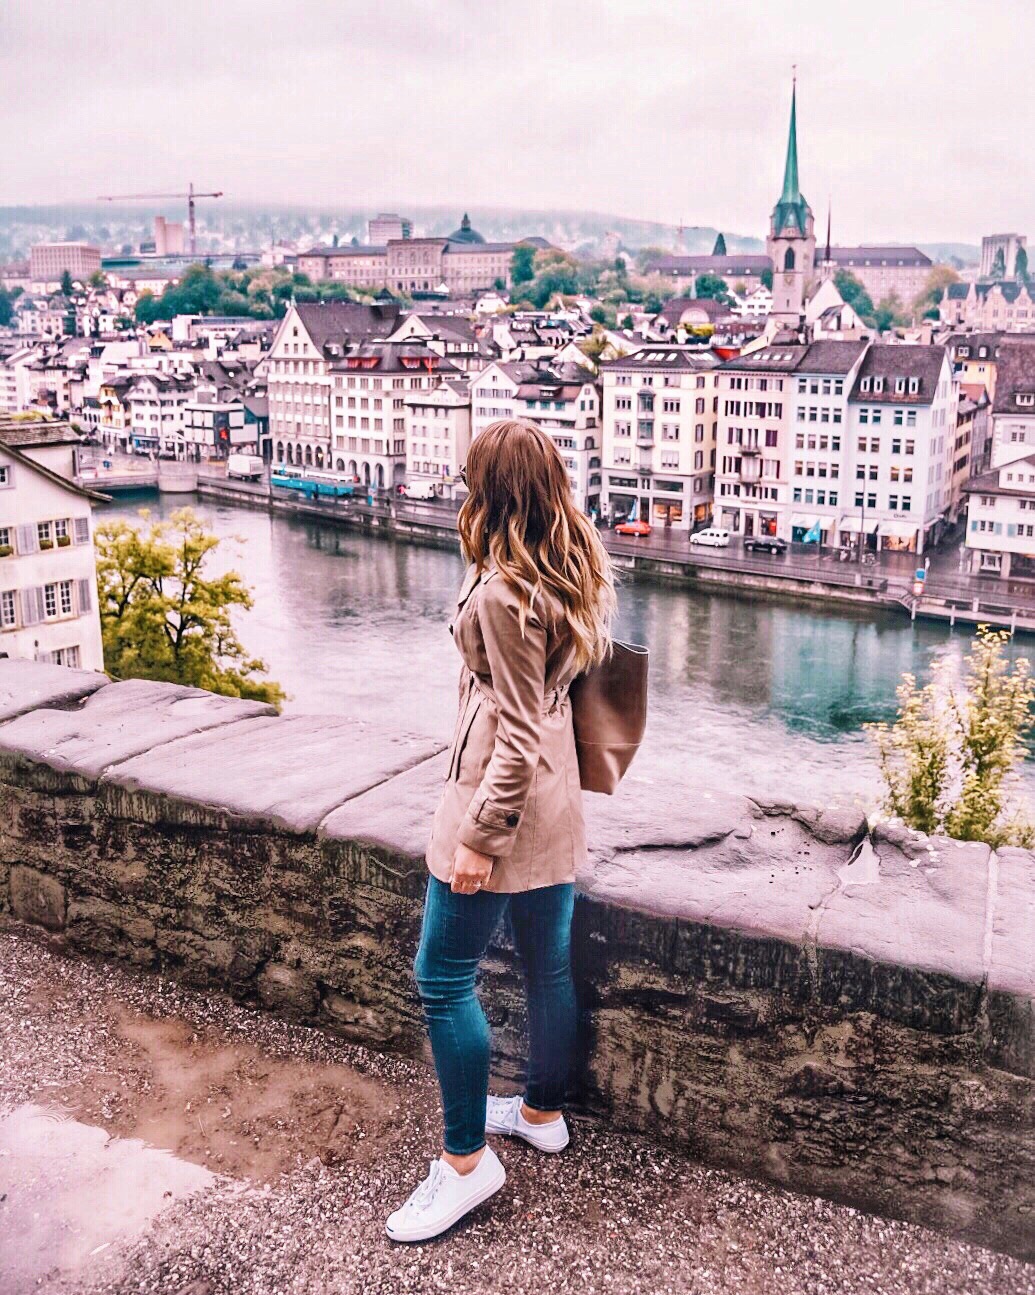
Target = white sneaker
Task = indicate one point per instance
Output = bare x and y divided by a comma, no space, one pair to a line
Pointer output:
503,1115
444,1197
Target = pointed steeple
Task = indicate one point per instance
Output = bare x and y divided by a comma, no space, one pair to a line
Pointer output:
791,212
791,192
828,232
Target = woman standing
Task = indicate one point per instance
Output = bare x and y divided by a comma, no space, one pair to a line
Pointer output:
534,611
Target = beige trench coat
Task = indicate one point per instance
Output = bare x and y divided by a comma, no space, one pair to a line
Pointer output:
512,781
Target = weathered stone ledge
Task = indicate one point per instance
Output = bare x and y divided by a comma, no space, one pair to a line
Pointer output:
763,982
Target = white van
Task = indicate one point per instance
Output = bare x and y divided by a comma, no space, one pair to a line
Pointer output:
714,536
421,490
244,467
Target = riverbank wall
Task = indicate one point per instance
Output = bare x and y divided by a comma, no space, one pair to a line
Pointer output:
766,984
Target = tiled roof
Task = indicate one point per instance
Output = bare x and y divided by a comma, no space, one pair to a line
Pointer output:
831,357
873,254
889,361
992,483
345,321
390,357
660,356
1015,376
23,433
774,358
721,265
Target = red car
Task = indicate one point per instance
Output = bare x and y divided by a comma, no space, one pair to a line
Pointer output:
633,528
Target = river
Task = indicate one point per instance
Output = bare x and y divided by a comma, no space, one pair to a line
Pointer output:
745,694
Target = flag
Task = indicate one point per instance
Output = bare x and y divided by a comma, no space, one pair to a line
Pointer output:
813,535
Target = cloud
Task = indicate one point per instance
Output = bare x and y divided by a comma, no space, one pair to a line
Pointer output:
644,109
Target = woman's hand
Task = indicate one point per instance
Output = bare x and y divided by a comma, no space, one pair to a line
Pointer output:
471,870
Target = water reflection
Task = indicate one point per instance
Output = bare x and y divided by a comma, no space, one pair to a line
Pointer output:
743,692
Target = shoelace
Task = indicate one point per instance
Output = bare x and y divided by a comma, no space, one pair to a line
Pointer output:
505,1111
425,1193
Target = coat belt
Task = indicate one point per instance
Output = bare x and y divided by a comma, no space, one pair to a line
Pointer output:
553,699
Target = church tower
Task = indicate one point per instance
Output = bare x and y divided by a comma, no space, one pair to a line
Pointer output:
791,243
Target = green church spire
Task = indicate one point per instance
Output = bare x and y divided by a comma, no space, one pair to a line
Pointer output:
792,211
791,192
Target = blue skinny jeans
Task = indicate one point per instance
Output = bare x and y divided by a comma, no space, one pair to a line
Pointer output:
455,934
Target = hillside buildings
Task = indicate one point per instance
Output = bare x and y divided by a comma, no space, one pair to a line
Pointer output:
462,263
989,307
999,255
48,579
49,261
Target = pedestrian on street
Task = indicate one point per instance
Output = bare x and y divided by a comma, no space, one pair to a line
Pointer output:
534,611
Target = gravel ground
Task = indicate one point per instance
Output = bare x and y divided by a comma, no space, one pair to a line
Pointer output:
319,1139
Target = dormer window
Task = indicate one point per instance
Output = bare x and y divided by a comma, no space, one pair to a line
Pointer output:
982,352
964,352
1026,397
864,385
900,386
878,384
914,386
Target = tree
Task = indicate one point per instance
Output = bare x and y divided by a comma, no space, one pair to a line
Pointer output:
889,313
98,280
947,761
999,264
720,246
855,295
647,255
67,286
935,286
6,307
1020,266
767,280
499,284
522,264
710,285
163,616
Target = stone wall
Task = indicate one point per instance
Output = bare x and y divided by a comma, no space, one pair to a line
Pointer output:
761,982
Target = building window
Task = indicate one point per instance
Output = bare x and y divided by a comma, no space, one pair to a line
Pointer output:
8,612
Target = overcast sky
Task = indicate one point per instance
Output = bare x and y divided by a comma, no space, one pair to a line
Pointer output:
916,116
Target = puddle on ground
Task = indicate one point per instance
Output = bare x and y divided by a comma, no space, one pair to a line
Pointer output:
228,1105
69,1193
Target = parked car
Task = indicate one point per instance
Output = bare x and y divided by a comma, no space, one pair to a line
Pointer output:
714,536
765,544
633,528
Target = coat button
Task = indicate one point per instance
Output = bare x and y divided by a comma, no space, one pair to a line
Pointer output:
512,820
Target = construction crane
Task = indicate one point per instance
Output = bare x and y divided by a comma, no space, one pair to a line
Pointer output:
190,195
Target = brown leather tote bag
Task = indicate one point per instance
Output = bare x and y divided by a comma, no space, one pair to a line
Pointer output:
609,712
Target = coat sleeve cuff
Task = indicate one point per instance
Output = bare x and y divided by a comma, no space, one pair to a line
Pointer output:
489,828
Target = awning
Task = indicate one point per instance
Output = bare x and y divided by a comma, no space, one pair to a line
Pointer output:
898,530
806,521
853,525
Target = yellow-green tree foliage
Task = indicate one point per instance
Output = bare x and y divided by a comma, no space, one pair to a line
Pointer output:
163,616
948,760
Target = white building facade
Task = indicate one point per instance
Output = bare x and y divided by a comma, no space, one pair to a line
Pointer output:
48,577
659,418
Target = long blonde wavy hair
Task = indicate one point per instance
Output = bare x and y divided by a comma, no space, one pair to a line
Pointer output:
520,515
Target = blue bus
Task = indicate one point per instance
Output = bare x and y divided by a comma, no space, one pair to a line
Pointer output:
312,482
